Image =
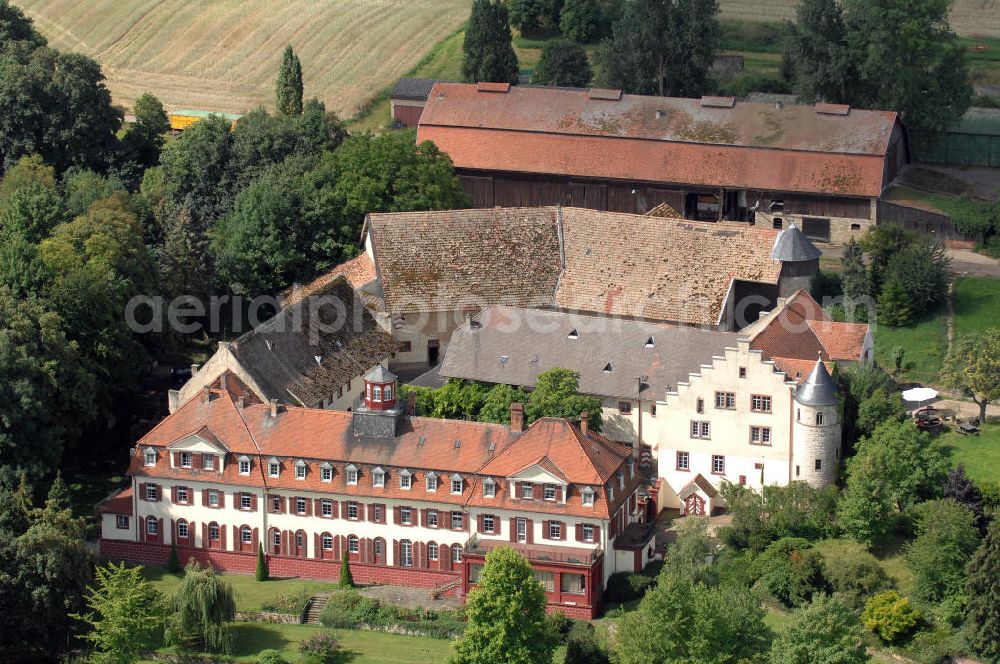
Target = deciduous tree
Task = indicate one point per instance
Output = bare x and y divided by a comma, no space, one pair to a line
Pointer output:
817,54
556,395
288,88
145,137
487,53
972,366
661,47
15,26
125,613
506,615
580,20
563,63
946,539
202,606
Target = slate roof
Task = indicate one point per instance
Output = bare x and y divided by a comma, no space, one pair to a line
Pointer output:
818,389
817,149
512,346
573,258
465,259
793,247
309,349
413,89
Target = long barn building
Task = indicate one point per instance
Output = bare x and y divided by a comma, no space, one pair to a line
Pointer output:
822,166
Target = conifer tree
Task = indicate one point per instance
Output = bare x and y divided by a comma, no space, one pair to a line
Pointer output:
983,591
288,89
894,307
346,578
853,277
262,573
488,54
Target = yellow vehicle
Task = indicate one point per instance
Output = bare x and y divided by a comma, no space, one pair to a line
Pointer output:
181,119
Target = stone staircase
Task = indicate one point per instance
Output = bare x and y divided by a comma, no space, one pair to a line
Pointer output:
316,605
441,590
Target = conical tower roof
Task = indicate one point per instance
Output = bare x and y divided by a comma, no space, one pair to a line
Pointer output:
818,389
792,246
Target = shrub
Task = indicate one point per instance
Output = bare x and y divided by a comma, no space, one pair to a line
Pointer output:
558,624
562,63
890,616
582,646
348,609
791,570
173,562
626,586
854,572
271,657
290,603
991,495
323,648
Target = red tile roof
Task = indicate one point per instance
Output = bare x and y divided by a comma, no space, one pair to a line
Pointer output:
797,369
471,449
118,503
659,139
358,271
799,330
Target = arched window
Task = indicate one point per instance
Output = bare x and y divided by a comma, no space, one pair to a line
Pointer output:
327,542
379,547
352,544
406,553
376,393
246,535
819,418
432,551
152,526
300,539
276,538
456,554
182,529
213,531
387,393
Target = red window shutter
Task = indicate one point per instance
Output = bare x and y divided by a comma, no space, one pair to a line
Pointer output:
545,529
204,497
579,532
536,491
317,508
395,515
317,547
371,511
395,553
513,529
531,531
562,530
204,535
517,490
282,505
173,532
173,495
237,542
309,507
423,518
597,533
444,557
334,509
479,523
559,493
142,490
465,521
177,459
196,461
222,499
253,502
255,539
159,530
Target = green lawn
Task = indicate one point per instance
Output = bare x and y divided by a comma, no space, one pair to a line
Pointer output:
361,647
980,454
890,557
925,344
250,594
977,304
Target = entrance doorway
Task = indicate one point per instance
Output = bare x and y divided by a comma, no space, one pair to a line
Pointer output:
694,505
433,351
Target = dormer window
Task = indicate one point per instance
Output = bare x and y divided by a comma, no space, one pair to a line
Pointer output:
149,457
549,492
208,462
573,334
527,490
608,368
588,497
244,465
650,343
300,469
378,477
489,488
185,459
456,484
274,468
326,472
431,482
352,474
405,479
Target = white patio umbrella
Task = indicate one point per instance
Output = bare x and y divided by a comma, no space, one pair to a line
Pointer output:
918,395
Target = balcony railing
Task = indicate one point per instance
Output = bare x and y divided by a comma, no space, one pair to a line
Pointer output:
543,553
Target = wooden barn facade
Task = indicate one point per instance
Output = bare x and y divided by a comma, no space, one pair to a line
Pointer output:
710,159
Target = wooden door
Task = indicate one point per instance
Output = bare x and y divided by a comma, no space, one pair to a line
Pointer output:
694,505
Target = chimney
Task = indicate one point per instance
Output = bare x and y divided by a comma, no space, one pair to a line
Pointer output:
517,417
194,369
206,393
223,382
411,403
583,422
274,408
468,319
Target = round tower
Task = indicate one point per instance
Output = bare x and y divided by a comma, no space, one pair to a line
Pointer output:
816,429
380,389
799,260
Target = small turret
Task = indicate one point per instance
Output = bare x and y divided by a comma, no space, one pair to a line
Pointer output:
378,416
799,260
816,431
